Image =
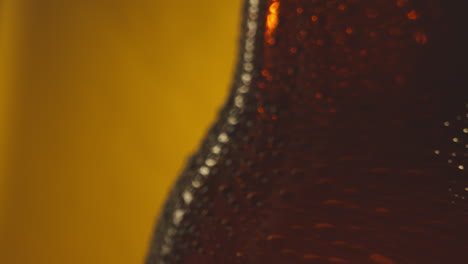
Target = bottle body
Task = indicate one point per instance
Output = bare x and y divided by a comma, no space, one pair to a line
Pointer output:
343,141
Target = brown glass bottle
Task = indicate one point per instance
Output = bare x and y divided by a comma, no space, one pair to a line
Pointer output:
344,140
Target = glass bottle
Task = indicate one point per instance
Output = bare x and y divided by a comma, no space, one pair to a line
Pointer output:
344,140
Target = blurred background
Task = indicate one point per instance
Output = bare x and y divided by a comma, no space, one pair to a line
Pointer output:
101,102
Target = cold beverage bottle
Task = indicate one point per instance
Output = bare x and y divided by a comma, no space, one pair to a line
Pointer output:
344,140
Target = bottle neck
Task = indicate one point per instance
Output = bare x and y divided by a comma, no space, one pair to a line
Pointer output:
365,56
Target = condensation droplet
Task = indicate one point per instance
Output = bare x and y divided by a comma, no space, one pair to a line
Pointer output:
187,196
196,183
232,120
243,89
413,15
420,37
204,171
216,149
248,56
239,101
177,216
246,77
223,138
248,66
210,162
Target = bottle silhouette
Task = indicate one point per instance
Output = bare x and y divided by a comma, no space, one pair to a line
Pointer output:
344,140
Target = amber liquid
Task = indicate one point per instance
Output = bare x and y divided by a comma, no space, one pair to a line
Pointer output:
344,141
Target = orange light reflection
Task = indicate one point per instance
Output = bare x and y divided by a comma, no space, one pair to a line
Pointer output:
272,21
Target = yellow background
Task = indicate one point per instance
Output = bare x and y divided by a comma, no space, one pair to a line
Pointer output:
101,101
